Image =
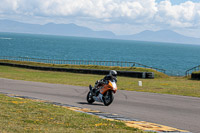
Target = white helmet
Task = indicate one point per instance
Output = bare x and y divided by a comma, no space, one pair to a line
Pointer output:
113,73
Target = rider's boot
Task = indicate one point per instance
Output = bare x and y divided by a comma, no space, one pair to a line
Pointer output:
91,90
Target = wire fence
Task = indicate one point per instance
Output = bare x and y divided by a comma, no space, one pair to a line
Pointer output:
81,62
189,71
175,73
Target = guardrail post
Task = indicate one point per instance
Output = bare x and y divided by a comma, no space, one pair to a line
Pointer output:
144,75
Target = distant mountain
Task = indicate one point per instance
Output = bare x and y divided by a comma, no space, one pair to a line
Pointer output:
75,30
162,36
53,29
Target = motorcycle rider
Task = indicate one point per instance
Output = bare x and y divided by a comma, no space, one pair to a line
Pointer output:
112,76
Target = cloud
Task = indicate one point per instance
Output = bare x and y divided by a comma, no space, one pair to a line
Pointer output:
133,12
183,15
8,6
99,9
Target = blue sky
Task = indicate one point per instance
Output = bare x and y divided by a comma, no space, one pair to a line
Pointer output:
123,17
177,2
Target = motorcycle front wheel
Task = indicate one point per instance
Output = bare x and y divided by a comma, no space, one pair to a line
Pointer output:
90,100
108,98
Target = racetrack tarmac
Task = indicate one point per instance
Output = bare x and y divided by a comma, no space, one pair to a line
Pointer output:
175,111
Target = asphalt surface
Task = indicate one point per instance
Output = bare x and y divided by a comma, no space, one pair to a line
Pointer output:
175,111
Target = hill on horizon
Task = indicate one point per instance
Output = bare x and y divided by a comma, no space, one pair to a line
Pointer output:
163,36
80,31
52,29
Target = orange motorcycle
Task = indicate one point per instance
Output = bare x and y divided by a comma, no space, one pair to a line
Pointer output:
103,93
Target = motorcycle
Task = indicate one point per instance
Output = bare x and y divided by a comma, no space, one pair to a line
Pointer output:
103,93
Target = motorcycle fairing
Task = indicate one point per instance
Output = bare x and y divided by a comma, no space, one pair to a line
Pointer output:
110,86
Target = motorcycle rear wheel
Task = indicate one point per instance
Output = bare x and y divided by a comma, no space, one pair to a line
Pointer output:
90,100
108,98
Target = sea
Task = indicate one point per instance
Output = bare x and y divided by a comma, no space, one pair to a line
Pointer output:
174,58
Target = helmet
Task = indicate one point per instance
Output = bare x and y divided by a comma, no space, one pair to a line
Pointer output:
113,74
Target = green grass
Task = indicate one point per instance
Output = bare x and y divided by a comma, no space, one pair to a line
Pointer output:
196,72
168,85
24,115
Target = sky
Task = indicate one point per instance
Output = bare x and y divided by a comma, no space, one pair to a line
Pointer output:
122,17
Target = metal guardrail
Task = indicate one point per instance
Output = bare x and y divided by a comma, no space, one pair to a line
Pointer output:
81,62
189,71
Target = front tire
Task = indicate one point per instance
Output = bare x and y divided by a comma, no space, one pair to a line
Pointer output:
90,100
108,98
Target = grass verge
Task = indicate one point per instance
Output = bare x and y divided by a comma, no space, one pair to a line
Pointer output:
196,72
167,85
136,69
25,115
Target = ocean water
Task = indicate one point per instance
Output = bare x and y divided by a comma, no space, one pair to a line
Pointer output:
174,58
